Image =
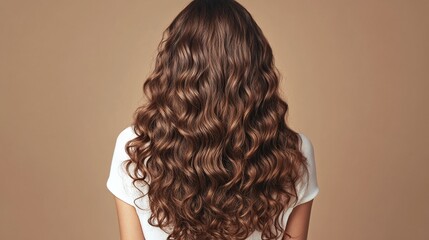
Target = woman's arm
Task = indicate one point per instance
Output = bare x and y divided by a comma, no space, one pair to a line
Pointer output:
129,223
298,222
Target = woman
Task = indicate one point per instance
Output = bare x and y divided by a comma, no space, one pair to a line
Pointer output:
210,156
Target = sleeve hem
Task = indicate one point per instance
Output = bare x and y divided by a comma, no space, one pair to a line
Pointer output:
309,197
117,192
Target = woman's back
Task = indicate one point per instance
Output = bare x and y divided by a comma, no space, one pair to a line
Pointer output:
120,184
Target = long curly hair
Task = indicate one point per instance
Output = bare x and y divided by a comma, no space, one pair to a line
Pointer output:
212,142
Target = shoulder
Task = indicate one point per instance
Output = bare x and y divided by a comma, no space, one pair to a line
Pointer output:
307,150
122,138
306,145
308,188
119,181
126,134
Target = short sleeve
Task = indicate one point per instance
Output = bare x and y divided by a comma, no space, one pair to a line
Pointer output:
119,183
308,187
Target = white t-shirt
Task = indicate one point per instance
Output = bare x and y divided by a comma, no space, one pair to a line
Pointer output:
120,184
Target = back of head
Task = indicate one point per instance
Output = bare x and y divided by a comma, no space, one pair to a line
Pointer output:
213,145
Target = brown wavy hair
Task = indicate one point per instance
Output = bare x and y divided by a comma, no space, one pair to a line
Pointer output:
212,142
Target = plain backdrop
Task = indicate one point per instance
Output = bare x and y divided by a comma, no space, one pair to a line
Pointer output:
355,75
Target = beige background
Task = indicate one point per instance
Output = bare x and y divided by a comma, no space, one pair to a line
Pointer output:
355,76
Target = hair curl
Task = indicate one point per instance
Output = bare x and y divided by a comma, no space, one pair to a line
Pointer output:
212,141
